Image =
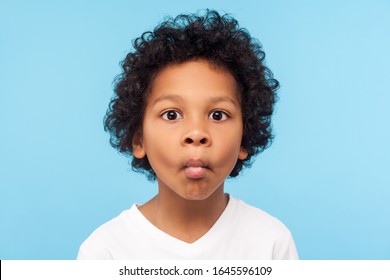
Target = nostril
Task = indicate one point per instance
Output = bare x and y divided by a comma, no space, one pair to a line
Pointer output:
195,139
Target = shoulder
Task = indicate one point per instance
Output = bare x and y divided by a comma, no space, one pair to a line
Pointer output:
99,244
263,230
256,217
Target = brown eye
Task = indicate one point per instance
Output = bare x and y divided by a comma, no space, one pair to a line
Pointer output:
171,115
218,116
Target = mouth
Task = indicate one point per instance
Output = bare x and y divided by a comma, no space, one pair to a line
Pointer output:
195,169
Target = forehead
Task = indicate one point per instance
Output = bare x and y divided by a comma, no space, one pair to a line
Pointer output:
192,79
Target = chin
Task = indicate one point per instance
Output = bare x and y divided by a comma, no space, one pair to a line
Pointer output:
197,195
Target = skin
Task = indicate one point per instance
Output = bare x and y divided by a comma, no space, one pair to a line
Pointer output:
191,134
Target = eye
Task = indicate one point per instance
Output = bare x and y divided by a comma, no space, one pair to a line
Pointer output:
171,115
218,116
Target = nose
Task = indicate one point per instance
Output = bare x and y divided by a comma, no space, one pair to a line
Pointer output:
196,137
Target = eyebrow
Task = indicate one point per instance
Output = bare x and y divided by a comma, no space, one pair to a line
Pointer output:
218,99
170,97
179,99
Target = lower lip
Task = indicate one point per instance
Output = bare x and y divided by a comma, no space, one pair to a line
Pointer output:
195,172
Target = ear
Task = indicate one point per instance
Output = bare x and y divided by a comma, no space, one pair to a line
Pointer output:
243,153
138,147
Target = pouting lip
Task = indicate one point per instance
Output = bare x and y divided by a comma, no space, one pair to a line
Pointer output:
195,163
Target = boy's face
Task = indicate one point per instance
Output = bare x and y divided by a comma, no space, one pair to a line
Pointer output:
192,129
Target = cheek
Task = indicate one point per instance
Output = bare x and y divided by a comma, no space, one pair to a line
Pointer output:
228,143
159,146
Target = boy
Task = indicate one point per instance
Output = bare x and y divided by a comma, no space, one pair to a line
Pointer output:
192,107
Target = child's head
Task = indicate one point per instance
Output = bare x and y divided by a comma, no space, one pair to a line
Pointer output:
210,38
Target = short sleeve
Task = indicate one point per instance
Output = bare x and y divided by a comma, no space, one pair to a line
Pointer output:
285,249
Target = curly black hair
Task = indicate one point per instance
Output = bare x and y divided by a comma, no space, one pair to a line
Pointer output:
212,37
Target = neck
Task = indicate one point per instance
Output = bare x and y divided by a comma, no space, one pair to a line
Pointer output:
187,220
181,208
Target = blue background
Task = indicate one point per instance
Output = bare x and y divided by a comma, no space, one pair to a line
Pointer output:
326,176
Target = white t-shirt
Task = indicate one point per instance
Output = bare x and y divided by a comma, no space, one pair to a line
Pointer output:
241,232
